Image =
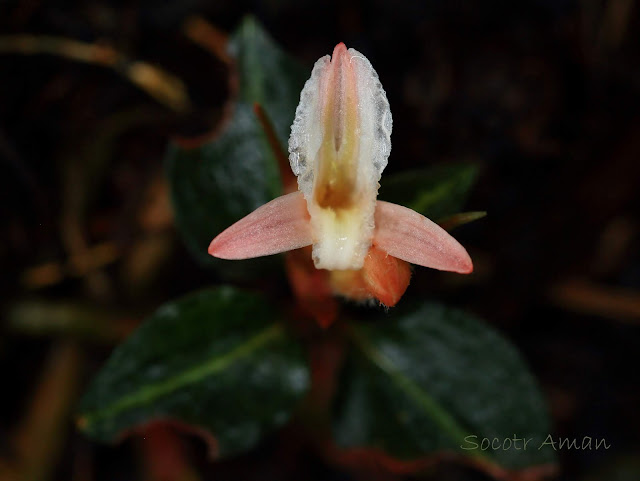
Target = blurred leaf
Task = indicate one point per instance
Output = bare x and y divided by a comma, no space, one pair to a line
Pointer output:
39,439
456,220
617,467
435,192
267,75
223,180
40,317
214,359
425,377
166,88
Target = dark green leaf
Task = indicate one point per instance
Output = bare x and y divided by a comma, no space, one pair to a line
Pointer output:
423,379
435,192
214,359
268,75
217,183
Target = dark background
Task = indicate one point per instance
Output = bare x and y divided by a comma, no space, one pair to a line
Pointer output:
543,95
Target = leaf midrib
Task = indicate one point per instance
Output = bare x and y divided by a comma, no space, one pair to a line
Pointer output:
150,392
429,405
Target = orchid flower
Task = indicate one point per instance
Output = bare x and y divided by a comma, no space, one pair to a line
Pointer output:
339,146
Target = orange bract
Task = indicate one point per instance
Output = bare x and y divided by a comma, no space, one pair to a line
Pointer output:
383,277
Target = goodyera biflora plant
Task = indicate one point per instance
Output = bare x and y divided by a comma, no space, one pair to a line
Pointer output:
339,145
236,365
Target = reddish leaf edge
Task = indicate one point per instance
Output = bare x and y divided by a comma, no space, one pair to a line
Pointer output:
375,459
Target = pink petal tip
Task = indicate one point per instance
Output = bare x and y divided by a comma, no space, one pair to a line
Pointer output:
407,235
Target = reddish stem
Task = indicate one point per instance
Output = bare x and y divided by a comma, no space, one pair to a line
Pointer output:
289,181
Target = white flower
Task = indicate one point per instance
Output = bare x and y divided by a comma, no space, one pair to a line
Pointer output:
339,145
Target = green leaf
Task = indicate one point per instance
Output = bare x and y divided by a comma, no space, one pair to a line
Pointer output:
424,378
216,184
435,192
214,359
456,220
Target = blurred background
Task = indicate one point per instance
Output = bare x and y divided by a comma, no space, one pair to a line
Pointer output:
543,95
